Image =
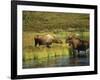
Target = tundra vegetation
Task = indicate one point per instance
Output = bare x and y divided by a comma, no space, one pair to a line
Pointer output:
56,24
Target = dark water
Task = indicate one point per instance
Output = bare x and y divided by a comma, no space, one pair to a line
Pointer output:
58,61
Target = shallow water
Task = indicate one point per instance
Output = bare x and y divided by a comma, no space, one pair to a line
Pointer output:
57,61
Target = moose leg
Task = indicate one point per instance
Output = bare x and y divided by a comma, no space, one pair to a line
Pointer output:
48,45
78,52
74,53
36,43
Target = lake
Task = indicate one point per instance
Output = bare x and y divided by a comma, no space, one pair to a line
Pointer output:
57,61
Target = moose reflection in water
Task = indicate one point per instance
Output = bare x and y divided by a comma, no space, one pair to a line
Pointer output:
56,52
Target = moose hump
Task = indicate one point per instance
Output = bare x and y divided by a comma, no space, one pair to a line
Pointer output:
49,38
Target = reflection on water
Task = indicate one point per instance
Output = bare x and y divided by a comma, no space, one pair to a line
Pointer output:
57,61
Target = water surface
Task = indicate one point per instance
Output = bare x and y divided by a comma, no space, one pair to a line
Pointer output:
57,61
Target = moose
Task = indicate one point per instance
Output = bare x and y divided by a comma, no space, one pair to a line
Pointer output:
77,44
46,40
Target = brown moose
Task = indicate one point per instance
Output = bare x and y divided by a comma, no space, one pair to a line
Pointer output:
45,40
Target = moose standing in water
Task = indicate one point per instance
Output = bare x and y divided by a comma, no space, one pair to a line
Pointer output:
77,44
46,40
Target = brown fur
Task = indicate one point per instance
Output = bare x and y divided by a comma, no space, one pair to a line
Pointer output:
45,40
78,44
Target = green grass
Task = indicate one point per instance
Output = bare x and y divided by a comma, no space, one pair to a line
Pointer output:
41,53
53,21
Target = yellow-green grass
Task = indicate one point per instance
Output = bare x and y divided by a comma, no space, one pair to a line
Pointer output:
41,53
